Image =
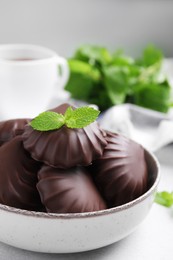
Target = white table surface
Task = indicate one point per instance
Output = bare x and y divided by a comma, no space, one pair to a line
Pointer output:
152,240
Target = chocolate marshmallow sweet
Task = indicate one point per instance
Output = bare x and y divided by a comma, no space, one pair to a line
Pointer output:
68,170
68,190
121,172
65,147
18,177
11,128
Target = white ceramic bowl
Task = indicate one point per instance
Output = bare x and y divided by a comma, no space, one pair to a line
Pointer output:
65,233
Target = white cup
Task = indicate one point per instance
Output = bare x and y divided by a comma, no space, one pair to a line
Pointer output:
28,75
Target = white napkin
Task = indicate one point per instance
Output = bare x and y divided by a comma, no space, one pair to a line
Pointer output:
163,135
156,133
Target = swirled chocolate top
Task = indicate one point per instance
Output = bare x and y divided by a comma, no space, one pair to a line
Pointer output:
121,172
68,190
65,147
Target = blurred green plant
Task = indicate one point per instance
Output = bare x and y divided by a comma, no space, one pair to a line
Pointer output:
105,79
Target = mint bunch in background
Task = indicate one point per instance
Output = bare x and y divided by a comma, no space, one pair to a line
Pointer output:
106,79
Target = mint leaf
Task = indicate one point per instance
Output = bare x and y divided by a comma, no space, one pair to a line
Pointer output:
120,59
47,121
164,198
82,80
152,95
150,56
115,80
77,118
81,117
93,54
68,113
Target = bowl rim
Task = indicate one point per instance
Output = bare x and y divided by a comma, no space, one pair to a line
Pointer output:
61,216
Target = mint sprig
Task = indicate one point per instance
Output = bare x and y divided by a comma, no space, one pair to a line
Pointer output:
78,118
164,198
47,121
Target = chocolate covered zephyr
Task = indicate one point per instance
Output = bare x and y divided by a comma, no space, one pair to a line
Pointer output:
42,163
65,147
18,176
11,128
68,190
121,172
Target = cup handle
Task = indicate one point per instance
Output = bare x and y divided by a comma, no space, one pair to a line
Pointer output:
64,68
59,95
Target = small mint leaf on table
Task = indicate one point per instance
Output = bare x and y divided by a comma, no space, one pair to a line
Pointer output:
47,121
81,117
164,198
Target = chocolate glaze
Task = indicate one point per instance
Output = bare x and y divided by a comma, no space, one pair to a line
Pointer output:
68,190
18,177
61,108
121,173
11,128
65,147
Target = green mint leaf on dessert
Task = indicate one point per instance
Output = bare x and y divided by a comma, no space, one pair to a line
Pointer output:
164,198
77,118
47,121
81,117
68,113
